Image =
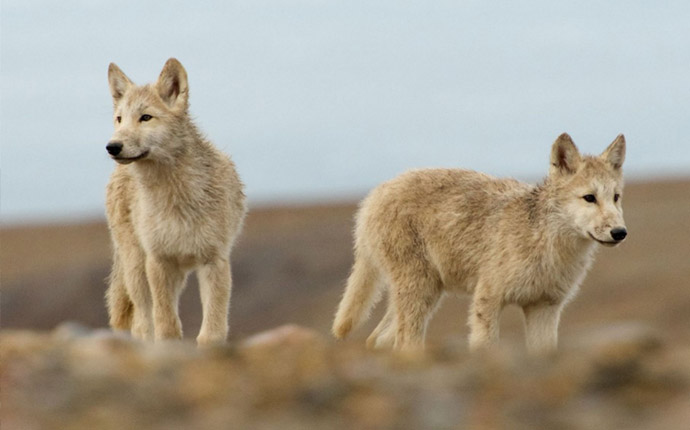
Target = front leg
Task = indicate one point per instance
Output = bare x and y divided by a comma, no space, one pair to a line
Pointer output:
541,327
484,319
215,285
166,280
137,288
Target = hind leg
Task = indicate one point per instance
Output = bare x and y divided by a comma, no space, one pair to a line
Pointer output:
416,297
383,335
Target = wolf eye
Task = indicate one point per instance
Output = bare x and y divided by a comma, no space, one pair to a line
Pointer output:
145,117
118,119
589,198
616,197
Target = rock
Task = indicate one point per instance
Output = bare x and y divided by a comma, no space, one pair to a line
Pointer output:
287,362
293,377
70,330
622,342
283,335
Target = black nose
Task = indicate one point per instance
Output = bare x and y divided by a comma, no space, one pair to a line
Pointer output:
618,233
113,148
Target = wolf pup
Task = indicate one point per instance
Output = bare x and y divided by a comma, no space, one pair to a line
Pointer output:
436,231
174,203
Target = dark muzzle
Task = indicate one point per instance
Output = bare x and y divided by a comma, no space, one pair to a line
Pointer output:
114,148
618,233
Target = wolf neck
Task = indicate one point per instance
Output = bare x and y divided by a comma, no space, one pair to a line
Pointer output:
550,228
181,167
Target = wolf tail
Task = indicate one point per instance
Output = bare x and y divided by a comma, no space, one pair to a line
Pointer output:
361,294
120,307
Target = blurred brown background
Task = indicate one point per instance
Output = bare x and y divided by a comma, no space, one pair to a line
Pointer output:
291,263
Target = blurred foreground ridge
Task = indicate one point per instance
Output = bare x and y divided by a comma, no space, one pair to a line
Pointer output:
295,378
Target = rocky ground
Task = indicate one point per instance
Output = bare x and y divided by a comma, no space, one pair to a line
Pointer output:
291,377
624,361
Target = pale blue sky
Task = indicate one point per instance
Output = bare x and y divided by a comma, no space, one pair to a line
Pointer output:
325,99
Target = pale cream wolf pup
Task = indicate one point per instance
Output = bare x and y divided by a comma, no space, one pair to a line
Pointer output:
428,232
174,204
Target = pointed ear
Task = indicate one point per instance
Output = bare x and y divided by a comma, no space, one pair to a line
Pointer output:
615,153
172,85
564,155
118,82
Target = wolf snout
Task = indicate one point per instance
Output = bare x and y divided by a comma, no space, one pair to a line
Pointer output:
619,233
114,148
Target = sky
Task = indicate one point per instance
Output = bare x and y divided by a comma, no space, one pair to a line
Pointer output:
322,100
